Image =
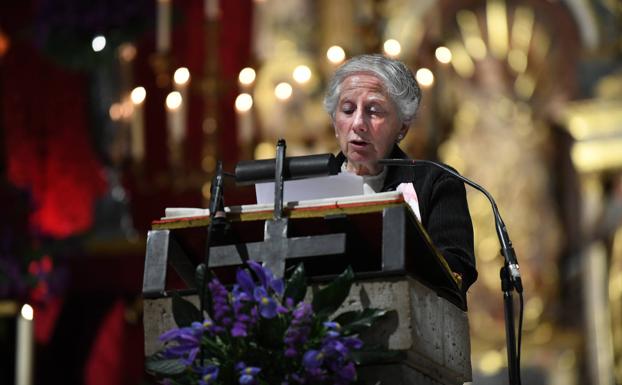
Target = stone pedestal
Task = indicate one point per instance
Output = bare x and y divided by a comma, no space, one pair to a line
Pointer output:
432,332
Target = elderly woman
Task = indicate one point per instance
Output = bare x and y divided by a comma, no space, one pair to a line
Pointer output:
372,101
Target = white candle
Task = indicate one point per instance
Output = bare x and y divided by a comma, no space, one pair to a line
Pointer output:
243,107
211,9
24,346
181,79
163,26
175,121
137,125
175,124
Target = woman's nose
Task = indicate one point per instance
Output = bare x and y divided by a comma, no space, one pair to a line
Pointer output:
359,123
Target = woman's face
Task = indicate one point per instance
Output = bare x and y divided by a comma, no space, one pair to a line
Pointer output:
367,123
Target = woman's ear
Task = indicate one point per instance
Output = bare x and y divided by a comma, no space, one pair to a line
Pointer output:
403,131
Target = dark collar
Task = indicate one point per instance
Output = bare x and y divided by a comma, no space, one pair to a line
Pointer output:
395,175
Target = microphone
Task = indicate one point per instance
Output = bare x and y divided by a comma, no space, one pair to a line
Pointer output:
507,250
295,167
216,192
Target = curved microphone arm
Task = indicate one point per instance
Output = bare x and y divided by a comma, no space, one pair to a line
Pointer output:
510,273
507,250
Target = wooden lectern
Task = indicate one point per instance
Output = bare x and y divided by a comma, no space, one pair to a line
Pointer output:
395,264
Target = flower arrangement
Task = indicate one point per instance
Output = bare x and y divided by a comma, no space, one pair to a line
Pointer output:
263,332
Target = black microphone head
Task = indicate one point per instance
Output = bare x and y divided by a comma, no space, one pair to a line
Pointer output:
297,167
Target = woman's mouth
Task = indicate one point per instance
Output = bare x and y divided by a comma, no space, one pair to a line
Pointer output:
359,144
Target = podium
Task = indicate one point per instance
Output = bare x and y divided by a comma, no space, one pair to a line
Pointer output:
395,264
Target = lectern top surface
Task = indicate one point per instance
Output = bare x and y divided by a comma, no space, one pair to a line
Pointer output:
177,218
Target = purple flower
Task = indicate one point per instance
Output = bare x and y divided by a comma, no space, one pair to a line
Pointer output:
245,315
297,333
281,309
312,359
209,375
267,305
245,282
353,343
247,373
239,329
220,305
290,352
297,378
266,278
302,313
264,274
333,329
332,325
278,286
183,343
347,372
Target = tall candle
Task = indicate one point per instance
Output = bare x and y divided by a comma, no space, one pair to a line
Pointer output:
181,79
24,346
163,26
137,125
211,9
175,125
243,107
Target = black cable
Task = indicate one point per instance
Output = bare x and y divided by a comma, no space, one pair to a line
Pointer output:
520,335
216,205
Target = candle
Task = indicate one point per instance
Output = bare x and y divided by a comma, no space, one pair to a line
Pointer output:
24,346
175,124
211,9
181,78
163,26
243,107
177,112
137,130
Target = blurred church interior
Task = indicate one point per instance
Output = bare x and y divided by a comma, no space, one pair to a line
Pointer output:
113,110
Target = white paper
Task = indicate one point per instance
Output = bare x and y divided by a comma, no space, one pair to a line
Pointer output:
340,185
183,212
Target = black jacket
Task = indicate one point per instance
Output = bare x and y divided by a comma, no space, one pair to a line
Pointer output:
444,212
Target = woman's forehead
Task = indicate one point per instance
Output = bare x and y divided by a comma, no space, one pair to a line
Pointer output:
363,82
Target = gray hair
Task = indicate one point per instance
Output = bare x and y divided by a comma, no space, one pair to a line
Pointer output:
398,80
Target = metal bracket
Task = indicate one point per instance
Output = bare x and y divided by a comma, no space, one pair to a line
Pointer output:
160,245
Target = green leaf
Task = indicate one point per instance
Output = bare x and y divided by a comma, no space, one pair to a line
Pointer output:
184,312
202,274
366,357
356,321
328,299
296,285
214,348
165,366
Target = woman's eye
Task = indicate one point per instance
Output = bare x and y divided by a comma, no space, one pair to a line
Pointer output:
374,110
347,108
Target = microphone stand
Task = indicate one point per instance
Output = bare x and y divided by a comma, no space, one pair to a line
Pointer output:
216,214
509,273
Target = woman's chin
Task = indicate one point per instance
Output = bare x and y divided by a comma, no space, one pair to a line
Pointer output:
363,166
363,157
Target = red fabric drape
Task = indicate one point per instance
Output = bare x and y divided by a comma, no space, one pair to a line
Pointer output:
116,355
44,111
